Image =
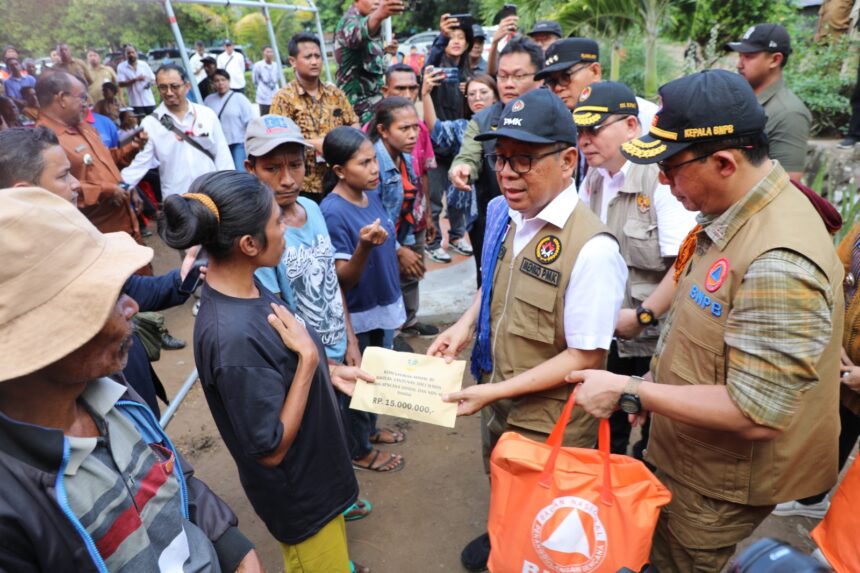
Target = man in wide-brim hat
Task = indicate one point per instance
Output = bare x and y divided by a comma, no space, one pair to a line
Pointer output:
90,481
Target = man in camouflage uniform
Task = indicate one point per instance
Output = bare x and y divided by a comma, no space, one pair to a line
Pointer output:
359,52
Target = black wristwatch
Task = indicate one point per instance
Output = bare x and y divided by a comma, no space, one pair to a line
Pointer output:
645,316
629,401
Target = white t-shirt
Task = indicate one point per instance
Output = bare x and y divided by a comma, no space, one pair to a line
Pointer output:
596,288
140,92
647,111
673,220
197,66
235,65
265,79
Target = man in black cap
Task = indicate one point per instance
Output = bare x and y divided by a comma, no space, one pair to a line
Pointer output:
647,220
574,63
745,393
545,32
476,54
234,62
762,55
209,68
571,65
553,283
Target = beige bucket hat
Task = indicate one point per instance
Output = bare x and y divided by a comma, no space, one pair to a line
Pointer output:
60,278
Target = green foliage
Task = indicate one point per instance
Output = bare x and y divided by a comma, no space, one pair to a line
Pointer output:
36,25
695,20
814,74
633,62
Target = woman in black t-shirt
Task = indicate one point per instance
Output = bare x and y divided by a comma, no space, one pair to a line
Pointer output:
261,369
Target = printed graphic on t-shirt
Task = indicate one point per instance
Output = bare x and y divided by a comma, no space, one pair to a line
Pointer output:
310,271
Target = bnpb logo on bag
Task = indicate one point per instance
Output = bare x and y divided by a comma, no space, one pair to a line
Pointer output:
568,536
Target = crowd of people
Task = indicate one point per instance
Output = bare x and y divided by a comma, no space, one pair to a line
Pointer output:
665,262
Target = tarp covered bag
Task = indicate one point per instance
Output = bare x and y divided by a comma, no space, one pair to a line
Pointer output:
836,535
569,510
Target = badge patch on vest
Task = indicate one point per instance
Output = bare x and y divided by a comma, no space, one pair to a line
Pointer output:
717,275
548,249
704,301
643,202
540,272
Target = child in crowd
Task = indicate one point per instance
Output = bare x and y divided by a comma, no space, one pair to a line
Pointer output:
366,261
305,277
394,131
264,373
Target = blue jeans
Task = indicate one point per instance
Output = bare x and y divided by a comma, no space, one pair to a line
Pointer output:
361,425
237,150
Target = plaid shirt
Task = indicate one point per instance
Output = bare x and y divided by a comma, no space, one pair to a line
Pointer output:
315,116
780,321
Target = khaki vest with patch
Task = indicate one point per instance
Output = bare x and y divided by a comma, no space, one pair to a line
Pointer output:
802,461
632,217
527,323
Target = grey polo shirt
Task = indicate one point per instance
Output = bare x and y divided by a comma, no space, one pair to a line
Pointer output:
788,121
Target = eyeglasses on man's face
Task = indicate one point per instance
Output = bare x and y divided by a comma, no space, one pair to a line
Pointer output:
520,163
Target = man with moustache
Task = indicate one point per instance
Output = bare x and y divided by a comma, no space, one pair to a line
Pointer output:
553,284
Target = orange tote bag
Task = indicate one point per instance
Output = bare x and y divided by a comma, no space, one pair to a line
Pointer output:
836,535
569,510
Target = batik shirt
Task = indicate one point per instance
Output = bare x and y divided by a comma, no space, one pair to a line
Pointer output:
360,63
315,116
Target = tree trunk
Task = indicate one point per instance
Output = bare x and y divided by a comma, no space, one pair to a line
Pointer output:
615,61
652,9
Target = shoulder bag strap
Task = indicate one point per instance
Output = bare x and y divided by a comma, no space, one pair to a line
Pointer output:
223,107
167,122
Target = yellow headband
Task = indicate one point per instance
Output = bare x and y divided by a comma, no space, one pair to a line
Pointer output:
207,201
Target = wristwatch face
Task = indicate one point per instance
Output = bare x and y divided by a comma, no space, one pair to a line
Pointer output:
630,404
645,317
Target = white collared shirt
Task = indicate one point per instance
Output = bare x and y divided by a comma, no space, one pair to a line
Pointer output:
235,65
673,220
178,162
596,288
140,92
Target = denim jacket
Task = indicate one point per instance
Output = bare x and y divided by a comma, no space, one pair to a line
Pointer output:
391,186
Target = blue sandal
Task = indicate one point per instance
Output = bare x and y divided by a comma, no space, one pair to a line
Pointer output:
359,505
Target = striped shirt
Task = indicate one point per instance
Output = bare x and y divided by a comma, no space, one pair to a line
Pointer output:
126,496
780,320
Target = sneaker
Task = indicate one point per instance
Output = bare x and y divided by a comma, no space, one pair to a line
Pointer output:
461,246
476,554
420,329
789,508
170,342
195,309
847,143
439,255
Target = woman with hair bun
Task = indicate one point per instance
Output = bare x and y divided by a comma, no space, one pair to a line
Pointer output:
267,386
363,238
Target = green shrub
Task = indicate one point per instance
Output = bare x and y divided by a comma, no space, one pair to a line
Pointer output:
632,69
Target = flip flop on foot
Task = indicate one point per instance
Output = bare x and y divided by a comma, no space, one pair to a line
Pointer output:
378,461
387,436
358,510
356,568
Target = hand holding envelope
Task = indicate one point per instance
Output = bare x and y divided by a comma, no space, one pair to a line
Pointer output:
409,386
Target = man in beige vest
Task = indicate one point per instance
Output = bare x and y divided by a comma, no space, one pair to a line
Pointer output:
553,283
745,404
647,220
